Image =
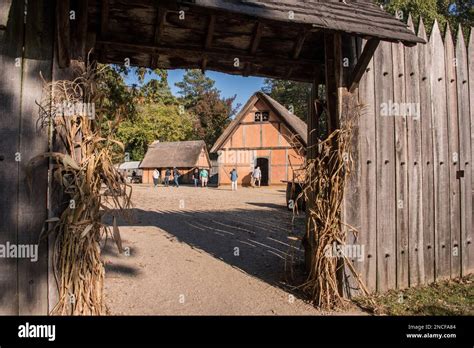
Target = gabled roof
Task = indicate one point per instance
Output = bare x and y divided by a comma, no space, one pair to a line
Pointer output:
296,125
129,165
180,154
361,17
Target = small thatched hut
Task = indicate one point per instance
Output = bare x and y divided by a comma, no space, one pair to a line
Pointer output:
184,155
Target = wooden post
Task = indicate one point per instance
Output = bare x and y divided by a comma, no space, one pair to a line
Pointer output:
10,100
441,157
38,51
427,160
311,152
368,176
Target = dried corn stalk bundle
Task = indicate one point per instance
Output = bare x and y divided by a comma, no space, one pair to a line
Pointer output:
92,187
323,190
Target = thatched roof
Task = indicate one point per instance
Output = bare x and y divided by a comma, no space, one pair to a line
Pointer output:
296,125
180,154
278,39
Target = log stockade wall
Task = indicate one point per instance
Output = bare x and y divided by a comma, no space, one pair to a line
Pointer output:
410,196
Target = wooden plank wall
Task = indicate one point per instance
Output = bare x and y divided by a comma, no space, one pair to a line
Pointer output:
415,165
25,51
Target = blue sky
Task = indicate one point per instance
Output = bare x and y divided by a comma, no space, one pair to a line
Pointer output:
229,85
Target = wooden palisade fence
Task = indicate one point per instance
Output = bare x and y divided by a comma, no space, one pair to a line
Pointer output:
413,175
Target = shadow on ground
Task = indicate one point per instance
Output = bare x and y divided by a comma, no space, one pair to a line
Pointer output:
260,242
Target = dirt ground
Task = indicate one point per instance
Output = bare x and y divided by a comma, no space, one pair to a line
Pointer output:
195,251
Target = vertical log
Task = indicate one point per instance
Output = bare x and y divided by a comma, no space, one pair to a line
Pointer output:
414,164
401,164
441,160
38,51
368,196
428,246
453,154
386,198
468,244
10,101
461,249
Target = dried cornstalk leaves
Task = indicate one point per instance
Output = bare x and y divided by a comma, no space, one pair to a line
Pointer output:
85,171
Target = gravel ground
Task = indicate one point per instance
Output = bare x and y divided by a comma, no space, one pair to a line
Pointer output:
195,251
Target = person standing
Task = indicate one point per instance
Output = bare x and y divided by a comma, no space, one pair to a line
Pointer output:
257,175
167,177
204,177
196,177
156,177
233,178
176,176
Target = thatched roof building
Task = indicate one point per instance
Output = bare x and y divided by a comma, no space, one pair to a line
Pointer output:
184,155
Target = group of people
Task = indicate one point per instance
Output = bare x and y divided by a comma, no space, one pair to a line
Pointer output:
256,179
200,175
157,177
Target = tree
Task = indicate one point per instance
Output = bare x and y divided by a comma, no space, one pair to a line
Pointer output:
155,122
201,98
454,12
194,85
213,114
293,95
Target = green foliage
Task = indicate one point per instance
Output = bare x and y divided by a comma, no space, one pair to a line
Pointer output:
454,12
194,85
155,122
290,94
201,98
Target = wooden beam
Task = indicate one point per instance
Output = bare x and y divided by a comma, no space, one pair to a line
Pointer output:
362,63
204,64
227,54
104,19
79,32
257,36
210,31
159,26
63,31
300,42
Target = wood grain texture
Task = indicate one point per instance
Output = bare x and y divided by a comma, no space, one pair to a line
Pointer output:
10,101
33,276
414,165
401,164
453,154
441,156
386,194
428,246
368,176
465,252
469,242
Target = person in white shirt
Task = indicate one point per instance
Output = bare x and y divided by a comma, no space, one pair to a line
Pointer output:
257,176
156,177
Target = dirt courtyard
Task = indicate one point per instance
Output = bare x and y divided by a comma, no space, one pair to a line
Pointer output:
195,251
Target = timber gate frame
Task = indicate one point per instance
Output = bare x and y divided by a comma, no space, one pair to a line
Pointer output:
289,39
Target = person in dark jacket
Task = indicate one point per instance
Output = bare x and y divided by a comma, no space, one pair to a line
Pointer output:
196,177
167,177
176,176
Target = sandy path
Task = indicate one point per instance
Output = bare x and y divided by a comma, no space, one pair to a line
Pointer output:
204,252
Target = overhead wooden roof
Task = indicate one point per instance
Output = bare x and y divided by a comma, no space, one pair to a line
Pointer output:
296,125
279,39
